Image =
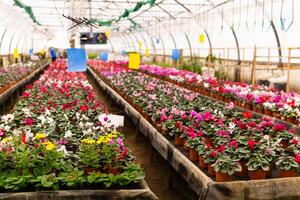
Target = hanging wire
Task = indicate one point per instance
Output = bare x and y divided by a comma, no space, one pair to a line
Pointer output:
272,2
233,15
293,16
263,15
247,12
282,20
222,15
240,15
255,12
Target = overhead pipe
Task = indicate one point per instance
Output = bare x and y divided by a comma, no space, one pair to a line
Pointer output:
190,46
278,43
209,41
2,39
112,47
237,46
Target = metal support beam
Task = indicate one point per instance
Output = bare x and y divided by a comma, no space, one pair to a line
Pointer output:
112,47
237,46
190,46
2,39
209,41
174,42
278,43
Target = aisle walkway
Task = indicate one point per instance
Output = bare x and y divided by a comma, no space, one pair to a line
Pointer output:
158,170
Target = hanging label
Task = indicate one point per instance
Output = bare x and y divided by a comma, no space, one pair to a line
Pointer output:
16,53
140,44
147,52
107,33
134,60
76,60
201,38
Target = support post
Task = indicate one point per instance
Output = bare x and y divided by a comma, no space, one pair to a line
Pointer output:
289,71
253,72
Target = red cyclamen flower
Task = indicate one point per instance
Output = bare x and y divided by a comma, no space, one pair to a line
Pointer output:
247,115
251,144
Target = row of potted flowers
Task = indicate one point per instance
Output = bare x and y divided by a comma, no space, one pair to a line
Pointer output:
59,136
14,73
262,99
234,144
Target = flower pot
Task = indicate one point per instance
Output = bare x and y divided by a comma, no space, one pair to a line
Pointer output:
185,146
249,106
88,170
268,112
285,144
209,141
257,174
113,170
221,177
193,155
269,173
202,164
244,171
287,173
178,140
210,170
291,120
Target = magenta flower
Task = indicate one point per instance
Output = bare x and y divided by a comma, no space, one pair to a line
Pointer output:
28,121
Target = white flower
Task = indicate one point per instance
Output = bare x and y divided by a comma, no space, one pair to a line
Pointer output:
42,118
68,134
64,150
47,112
6,128
26,112
7,118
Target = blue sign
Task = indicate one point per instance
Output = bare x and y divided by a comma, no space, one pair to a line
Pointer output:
175,54
157,40
104,56
76,60
123,52
31,52
53,53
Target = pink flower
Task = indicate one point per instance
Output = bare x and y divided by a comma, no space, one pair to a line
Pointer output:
28,121
233,143
297,158
200,133
163,117
279,127
213,154
221,148
295,141
26,94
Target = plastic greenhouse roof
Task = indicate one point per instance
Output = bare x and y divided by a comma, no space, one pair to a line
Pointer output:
146,20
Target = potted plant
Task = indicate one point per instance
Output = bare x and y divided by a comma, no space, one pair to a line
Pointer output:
225,166
89,156
288,166
193,143
210,158
201,149
258,165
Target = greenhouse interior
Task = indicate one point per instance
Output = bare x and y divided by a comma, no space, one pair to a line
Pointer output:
149,99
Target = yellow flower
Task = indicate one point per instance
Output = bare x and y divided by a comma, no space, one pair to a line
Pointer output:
88,141
50,146
40,136
7,139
